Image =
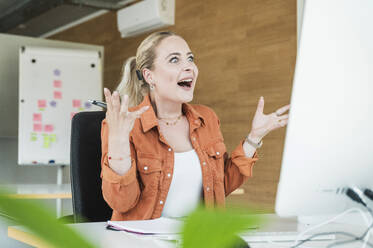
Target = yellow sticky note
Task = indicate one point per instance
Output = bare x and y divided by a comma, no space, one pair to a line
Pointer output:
46,144
52,138
33,137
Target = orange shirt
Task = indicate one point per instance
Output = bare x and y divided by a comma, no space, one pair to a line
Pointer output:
141,193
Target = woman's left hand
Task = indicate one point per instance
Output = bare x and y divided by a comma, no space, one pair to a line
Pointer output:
263,124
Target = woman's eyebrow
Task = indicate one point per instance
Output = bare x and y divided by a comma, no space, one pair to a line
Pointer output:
173,54
178,54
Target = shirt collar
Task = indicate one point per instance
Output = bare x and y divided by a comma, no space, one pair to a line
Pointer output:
149,119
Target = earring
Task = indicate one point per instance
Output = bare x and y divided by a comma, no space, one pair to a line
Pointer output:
151,86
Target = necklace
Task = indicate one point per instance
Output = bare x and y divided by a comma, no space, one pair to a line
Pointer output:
171,123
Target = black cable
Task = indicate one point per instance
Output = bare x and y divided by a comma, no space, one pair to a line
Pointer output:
355,196
368,193
355,193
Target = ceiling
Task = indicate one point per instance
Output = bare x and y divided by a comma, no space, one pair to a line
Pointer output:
41,18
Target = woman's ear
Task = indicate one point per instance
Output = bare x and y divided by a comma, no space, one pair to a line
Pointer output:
147,75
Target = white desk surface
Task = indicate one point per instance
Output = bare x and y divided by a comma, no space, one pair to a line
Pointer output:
39,191
97,232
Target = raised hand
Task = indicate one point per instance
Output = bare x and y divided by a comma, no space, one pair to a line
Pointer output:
120,121
263,124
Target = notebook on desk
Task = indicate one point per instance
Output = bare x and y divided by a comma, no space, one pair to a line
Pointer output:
157,226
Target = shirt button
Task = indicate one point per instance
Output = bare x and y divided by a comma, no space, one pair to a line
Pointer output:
217,153
203,163
161,202
169,149
145,167
168,174
207,188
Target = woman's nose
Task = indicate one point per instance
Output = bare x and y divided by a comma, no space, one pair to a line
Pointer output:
188,67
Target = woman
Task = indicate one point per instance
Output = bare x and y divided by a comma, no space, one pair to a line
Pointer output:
161,156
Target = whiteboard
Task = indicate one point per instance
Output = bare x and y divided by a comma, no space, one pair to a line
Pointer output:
54,84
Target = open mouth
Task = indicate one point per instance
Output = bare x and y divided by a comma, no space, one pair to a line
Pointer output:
185,83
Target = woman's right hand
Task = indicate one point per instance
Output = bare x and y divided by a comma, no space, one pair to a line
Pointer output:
119,120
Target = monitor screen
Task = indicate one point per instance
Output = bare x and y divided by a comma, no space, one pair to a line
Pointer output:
329,138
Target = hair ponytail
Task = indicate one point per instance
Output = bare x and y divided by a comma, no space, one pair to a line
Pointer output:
130,84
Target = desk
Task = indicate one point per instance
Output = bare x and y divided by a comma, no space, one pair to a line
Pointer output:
97,232
39,191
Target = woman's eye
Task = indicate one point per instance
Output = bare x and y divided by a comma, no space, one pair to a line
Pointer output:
191,58
174,59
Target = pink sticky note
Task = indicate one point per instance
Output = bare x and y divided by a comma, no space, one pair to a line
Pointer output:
48,128
72,114
42,103
57,83
76,103
38,127
36,117
57,95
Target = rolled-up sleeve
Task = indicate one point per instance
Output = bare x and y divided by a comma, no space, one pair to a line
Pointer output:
121,192
238,168
245,164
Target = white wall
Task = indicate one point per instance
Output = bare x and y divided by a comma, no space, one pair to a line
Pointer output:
10,172
300,4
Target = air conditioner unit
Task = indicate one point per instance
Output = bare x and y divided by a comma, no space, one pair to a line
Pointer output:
145,16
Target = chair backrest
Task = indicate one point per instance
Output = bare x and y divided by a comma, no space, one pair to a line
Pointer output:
88,202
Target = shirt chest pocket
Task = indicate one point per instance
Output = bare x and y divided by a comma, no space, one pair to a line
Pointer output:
216,152
150,172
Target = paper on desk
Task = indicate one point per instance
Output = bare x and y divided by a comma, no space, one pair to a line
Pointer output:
161,225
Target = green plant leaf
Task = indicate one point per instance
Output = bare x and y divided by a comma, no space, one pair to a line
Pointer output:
41,222
216,228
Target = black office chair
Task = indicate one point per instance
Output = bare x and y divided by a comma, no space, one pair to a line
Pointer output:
88,202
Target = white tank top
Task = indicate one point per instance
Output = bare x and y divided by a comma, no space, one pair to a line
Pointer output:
186,185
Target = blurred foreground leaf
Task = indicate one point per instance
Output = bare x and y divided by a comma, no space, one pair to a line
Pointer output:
216,228
41,222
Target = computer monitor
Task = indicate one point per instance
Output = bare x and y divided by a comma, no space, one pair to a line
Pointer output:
329,138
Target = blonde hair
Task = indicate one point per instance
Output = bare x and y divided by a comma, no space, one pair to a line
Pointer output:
130,84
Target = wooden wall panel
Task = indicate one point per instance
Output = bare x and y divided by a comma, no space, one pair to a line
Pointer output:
244,49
